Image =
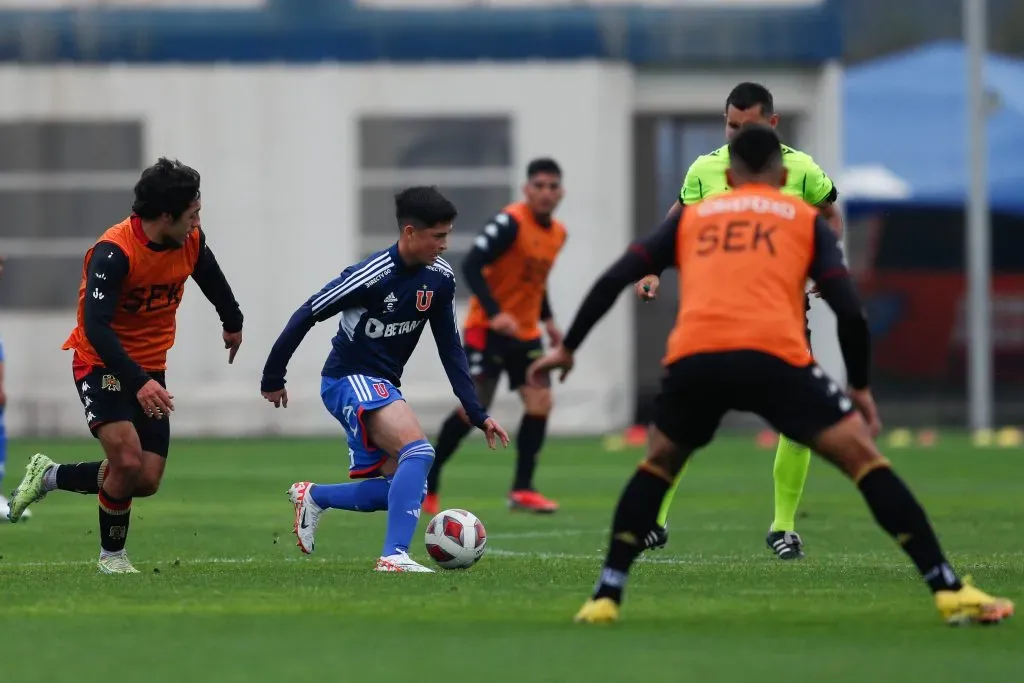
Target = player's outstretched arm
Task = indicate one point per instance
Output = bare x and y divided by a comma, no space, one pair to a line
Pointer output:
342,292
646,288
495,239
830,274
106,270
214,285
444,325
655,252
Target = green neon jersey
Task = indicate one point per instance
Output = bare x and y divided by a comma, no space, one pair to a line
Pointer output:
805,179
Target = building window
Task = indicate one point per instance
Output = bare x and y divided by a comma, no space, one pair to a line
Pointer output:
468,158
62,183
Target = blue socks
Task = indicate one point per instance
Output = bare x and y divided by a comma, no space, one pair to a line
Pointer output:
406,495
401,495
367,495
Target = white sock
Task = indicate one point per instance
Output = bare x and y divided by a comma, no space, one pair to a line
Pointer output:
50,478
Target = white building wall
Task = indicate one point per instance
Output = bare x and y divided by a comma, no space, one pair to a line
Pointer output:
276,146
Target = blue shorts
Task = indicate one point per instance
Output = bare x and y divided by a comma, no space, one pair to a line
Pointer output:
347,399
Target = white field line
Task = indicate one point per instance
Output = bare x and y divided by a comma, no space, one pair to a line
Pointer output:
494,552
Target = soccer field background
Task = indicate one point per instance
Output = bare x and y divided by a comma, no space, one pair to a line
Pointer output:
225,595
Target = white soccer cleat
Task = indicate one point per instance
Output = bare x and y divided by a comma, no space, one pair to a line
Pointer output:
116,563
401,562
307,514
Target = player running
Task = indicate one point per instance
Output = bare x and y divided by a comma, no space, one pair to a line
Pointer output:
507,270
751,103
384,301
739,344
132,283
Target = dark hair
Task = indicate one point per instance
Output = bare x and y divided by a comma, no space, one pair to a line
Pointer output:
423,207
543,165
755,149
747,95
165,187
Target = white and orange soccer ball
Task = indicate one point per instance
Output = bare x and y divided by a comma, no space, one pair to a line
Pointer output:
456,539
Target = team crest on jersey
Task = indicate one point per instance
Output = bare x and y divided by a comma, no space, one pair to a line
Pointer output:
423,299
110,383
381,389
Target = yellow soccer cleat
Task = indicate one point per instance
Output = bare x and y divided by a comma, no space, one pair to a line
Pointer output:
600,611
972,606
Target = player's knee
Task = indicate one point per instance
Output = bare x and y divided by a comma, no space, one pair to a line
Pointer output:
124,453
146,485
460,413
125,471
849,446
538,402
664,457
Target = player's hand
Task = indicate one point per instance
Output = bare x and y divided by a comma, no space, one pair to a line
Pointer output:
555,335
279,398
2,260
232,340
865,403
555,358
155,400
504,323
647,287
493,431
3,398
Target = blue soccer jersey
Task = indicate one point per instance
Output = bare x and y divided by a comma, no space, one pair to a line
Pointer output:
384,306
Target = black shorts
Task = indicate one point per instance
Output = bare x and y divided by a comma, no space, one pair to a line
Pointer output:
697,391
105,400
490,354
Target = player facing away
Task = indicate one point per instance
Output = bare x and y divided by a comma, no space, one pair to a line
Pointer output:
507,271
751,103
133,281
739,344
385,301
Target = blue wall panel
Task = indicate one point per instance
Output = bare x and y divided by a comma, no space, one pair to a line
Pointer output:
330,32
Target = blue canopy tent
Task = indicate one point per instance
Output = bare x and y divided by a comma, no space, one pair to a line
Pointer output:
906,115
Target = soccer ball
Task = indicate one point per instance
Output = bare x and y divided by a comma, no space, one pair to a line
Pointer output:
456,539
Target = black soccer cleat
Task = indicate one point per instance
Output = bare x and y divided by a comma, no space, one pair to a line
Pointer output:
656,538
785,544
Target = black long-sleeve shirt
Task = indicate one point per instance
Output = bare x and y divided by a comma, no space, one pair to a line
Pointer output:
107,268
657,251
495,239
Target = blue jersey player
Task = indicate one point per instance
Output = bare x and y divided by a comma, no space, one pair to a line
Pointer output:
385,301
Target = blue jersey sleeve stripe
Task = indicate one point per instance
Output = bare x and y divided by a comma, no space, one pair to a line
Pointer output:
358,274
444,265
350,284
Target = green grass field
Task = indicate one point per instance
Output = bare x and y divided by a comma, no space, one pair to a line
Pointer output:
226,596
